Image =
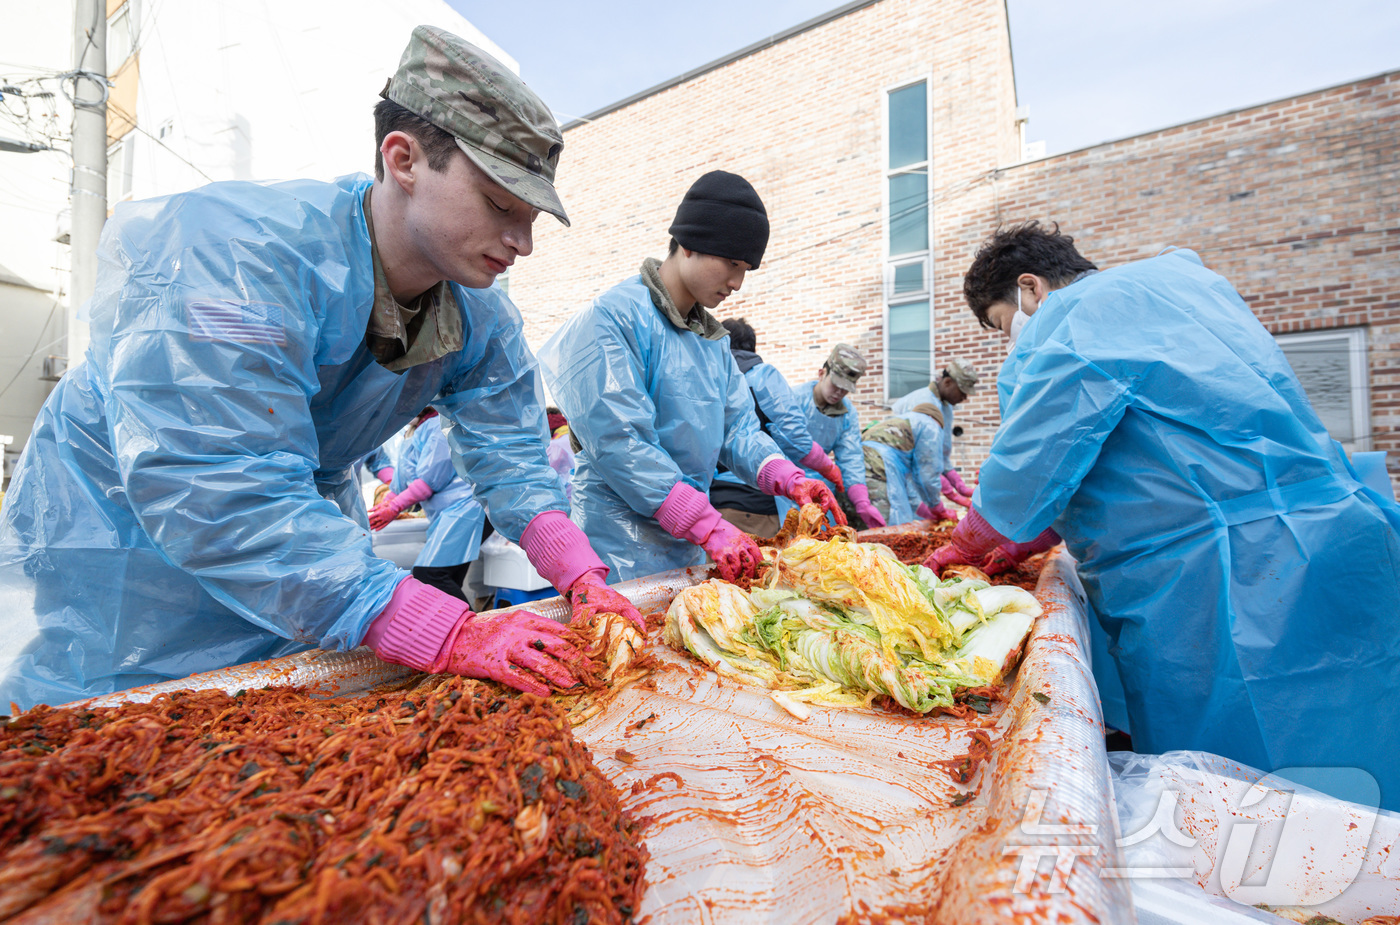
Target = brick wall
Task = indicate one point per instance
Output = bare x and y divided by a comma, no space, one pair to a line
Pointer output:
1296,202
803,120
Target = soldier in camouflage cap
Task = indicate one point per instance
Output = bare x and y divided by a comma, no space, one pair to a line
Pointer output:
294,328
497,121
845,366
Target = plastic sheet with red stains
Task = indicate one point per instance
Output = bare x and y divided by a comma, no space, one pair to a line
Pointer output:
851,815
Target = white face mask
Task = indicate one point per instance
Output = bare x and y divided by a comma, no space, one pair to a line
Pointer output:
1018,321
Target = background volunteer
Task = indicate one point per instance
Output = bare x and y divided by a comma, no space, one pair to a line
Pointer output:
187,500
835,426
1246,586
425,475
954,384
656,402
781,418
904,465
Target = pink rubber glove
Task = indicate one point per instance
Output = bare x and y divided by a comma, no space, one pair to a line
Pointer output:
687,515
817,459
952,476
1009,555
780,477
972,539
936,514
950,491
393,505
860,497
562,555
385,475
429,630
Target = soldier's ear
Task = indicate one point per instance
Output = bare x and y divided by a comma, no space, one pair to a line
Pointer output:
400,151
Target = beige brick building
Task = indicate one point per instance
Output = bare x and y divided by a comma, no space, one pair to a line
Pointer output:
883,138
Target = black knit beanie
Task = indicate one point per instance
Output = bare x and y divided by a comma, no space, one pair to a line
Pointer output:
722,215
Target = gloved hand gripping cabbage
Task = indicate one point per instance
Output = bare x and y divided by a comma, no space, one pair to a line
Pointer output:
841,623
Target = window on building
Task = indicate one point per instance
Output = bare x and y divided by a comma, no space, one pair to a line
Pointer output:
908,344
119,169
119,38
1332,368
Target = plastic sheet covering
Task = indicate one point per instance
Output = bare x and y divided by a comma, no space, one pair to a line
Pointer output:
1220,845
757,817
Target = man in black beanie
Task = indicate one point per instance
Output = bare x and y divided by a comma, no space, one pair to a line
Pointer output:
656,401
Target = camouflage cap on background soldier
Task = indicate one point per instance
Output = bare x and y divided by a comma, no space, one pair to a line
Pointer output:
498,122
964,374
846,366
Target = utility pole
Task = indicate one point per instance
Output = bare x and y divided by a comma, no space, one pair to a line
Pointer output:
89,188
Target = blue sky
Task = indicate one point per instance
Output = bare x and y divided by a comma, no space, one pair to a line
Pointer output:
1090,70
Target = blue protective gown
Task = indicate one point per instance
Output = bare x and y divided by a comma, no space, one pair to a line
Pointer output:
787,425
383,456
1245,584
186,500
838,434
651,405
916,475
455,519
930,397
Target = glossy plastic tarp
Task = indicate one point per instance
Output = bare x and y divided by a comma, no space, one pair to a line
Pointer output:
455,518
1245,583
1206,839
651,405
186,500
760,818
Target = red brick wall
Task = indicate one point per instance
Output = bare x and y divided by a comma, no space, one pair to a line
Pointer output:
1296,202
803,120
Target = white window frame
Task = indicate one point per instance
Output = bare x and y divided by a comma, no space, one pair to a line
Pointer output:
1358,367
127,13
888,262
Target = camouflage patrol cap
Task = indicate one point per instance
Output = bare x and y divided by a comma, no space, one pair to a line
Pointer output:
964,374
498,122
846,366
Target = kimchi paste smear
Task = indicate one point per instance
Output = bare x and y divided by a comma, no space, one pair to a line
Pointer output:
452,801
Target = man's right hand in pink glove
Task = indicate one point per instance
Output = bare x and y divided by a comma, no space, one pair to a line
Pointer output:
950,491
860,497
935,514
393,505
819,461
688,515
972,539
780,477
429,630
1009,555
958,484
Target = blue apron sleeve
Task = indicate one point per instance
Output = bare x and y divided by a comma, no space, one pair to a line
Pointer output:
212,373
495,419
850,456
745,445
435,459
599,382
788,425
1056,415
948,413
928,457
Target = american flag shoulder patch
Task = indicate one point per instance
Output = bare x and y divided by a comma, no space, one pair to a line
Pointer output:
237,322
